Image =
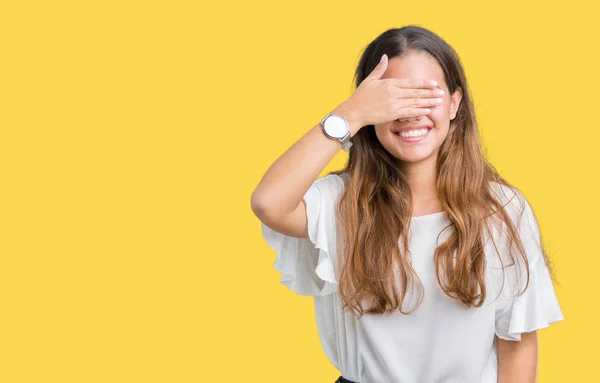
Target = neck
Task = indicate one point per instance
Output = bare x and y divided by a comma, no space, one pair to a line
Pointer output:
422,178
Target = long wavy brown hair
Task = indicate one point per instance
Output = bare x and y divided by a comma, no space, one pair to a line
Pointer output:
375,207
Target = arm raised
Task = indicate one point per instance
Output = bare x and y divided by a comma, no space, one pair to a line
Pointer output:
277,200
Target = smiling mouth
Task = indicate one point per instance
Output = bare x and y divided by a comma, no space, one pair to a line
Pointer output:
413,135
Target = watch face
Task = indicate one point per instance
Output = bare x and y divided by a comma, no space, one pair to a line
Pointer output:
335,126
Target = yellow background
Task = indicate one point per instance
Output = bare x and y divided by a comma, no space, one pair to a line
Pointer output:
134,132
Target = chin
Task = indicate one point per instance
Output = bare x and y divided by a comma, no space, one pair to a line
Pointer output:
412,156
413,159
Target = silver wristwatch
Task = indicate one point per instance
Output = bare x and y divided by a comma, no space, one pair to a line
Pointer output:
336,127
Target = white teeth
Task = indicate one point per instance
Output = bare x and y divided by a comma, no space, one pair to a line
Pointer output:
413,133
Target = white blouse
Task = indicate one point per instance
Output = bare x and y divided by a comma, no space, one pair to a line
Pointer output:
440,341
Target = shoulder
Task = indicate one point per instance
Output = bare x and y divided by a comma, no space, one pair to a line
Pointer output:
498,238
519,212
511,199
522,219
505,194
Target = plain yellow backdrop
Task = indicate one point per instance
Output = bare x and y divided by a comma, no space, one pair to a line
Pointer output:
134,132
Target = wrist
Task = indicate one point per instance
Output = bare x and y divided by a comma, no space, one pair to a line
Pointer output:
351,115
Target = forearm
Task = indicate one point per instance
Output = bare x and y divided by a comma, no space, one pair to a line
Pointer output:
517,361
286,181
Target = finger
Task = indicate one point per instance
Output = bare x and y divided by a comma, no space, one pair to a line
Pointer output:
417,92
418,102
379,70
414,83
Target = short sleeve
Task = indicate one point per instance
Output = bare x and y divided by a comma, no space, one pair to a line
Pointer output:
307,264
538,306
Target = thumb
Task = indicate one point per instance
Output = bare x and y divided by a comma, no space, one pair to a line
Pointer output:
379,70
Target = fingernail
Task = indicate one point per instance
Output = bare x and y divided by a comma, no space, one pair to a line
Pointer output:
382,57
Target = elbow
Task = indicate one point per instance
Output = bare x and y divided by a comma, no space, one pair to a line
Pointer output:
259,205
266,208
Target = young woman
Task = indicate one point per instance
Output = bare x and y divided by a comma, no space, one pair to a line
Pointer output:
424,263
